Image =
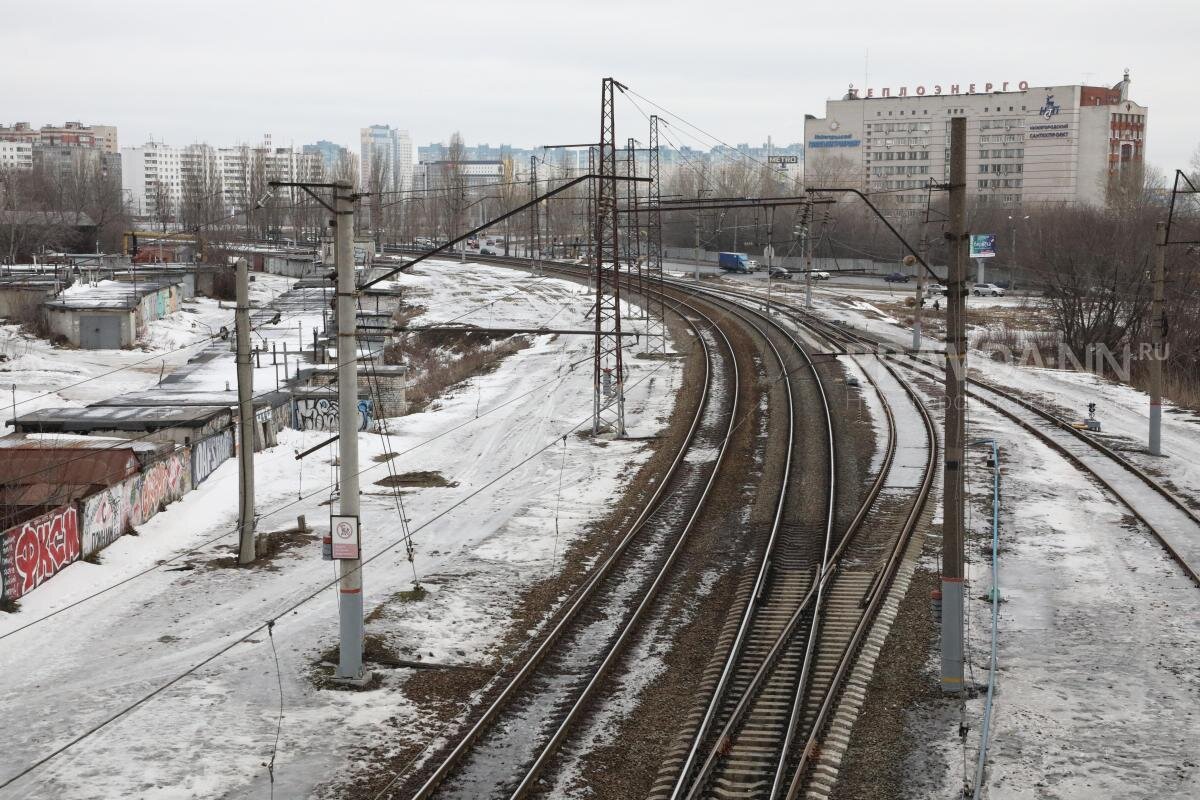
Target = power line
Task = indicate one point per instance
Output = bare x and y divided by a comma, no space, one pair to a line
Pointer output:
302,601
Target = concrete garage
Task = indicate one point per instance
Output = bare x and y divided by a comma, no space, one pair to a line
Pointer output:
109,315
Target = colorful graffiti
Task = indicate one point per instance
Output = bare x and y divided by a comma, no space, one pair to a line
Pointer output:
110,513
35,550
106,515
210,453
163,482
321,414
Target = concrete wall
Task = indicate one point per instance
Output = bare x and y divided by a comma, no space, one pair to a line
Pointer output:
21,303
33,552
64,322
385,385
209,453
320,413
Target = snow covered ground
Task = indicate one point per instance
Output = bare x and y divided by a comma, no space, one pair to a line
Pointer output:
498,438
1097,692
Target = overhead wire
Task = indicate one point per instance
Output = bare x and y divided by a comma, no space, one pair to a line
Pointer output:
297,604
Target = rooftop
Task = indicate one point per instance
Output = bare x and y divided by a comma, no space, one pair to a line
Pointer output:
108,294
118,418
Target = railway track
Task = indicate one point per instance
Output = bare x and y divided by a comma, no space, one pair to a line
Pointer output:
774,711
785,576
1169,519
800,622
507,747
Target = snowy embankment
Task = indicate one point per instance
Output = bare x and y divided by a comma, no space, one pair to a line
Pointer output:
1096,691
500,526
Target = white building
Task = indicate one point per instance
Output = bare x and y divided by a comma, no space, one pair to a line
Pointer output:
16,155
1024,144
157,173
151,176
392,147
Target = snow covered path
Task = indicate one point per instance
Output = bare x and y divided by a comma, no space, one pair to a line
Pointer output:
212,732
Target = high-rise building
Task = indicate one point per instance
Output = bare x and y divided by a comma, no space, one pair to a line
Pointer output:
157,177
331,154
386,155
60,149
1025,144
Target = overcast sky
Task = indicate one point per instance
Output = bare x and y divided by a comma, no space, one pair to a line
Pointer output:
528,73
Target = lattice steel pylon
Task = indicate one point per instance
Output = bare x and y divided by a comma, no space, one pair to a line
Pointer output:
608,374
656,324
535,244
633,221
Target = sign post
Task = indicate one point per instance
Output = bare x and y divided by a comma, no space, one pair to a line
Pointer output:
343,531
983,245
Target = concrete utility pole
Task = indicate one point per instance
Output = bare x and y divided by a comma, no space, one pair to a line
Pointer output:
697,247
920,296
350,609
953,495
245,389
808,248
769,250
1157,330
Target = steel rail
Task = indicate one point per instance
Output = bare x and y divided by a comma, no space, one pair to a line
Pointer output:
880,588
590,587
764,571
1191,570
811,598
577,708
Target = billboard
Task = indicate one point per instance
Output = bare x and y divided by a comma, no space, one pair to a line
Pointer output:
983,245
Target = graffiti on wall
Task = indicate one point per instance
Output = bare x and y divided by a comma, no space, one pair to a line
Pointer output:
35,550
163,482
111,512
210,453
321,414
107,515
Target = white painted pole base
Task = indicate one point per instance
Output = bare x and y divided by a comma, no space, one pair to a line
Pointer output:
1155,429
952,635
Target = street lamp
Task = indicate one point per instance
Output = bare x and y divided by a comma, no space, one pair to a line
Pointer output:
1012,267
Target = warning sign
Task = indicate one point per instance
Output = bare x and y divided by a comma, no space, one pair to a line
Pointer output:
344,532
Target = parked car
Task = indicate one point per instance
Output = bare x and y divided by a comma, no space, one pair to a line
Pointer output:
896,277
487,251
936,288
987,289
779,272
820,275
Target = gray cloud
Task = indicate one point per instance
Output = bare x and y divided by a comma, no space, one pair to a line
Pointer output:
528,72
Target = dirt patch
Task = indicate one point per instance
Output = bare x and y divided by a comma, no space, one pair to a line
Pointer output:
414,480
268,548
413,595
437,368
